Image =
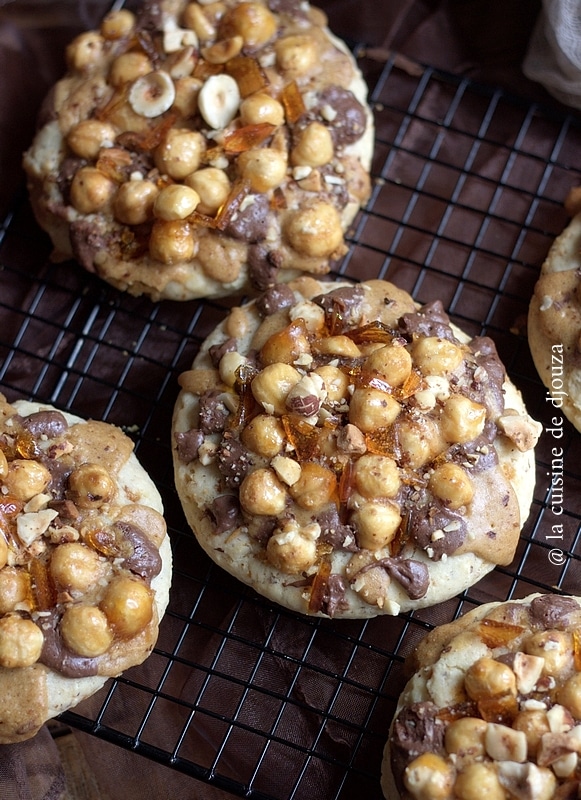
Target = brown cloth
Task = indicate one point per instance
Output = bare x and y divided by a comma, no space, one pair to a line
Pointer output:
482,39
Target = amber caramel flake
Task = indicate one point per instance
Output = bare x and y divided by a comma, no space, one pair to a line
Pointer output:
292,101
304,438
249,136
319,586
247,73
577,649
501,710
495,633
43,590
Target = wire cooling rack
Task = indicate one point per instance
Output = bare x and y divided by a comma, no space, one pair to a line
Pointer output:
240,694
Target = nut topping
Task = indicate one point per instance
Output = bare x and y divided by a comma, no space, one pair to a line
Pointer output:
526,756
218,101
266,91
528,670
324,416
69,535
152,94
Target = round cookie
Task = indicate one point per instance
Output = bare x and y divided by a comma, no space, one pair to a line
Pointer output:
347,453
554,322
492,709
85,562
203,149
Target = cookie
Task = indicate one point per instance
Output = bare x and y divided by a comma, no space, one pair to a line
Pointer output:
347,453
203,149
554,322
85,562
493,707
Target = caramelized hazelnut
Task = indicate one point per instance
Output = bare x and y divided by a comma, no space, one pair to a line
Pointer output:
26,478
128,605
253,21
85,630
74,566
264,435
429,777
488,678
20,642
90,486
315,487
261,492
451,484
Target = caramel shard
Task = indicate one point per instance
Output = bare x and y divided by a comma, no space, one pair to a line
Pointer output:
495,633
293,103
319,586
304,437
248,137
44,592
248,74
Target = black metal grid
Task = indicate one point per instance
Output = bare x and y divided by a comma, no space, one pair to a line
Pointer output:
241,694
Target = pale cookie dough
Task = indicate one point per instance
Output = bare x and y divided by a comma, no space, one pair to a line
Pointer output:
349,454
203,149
85,562
554,322
493,709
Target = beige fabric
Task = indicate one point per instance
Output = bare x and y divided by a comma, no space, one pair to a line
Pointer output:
554,53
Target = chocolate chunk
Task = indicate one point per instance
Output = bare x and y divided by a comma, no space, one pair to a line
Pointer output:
275,299
234,460
86,241
263,266
478,454
188,444
341,306
416,730
67,171
66,510
331,598
335,597
349,119
225,512
334,532
143,559
411,575
290,7
57,656
552,611
424,523
150,16
45,423
59,469
216,351
487,389
251,224
213,412
429,320
261,528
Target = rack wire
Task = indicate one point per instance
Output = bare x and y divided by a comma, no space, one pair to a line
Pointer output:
239,693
